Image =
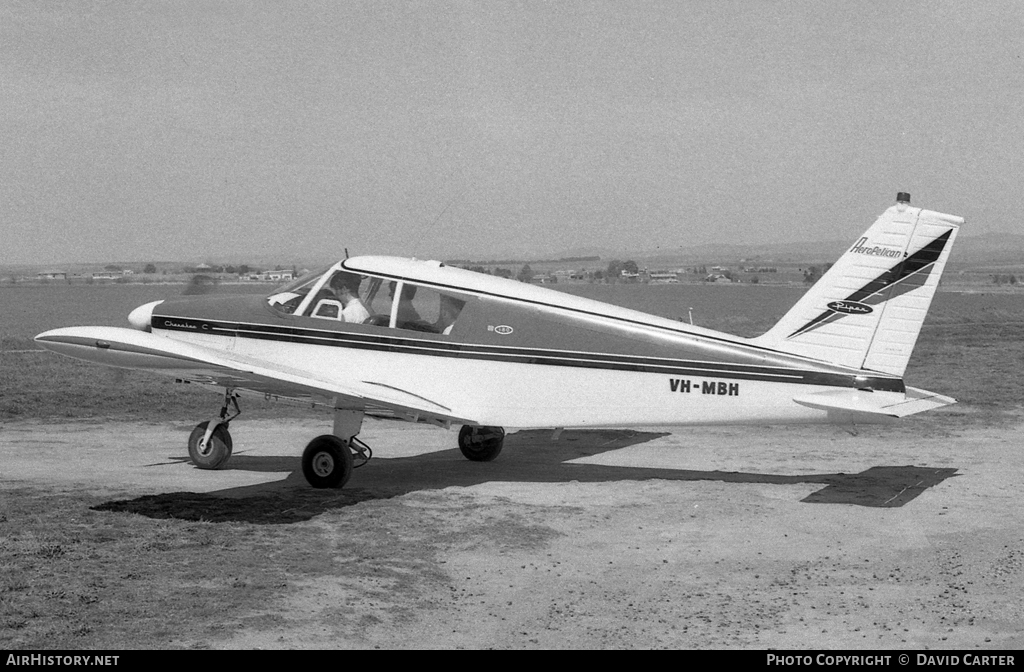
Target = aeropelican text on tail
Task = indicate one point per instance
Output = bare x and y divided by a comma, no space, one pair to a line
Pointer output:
866,311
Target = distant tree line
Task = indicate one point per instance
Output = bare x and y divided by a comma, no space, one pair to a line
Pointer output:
473,265
242,269
614,272
812,274
500,272
616,268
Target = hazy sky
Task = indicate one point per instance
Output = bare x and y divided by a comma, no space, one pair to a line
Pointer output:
216,130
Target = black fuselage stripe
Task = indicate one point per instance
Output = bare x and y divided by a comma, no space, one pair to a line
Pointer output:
627,363
397,343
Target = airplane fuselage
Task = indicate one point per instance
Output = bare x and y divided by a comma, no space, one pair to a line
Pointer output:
531,357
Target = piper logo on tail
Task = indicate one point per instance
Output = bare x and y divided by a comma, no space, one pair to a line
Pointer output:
850,307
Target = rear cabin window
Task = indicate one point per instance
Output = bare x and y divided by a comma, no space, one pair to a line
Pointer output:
426,309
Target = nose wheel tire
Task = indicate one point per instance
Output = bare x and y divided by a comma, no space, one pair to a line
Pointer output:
481,444
327,462
216,451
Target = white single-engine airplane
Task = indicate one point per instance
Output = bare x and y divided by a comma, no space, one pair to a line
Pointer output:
431,343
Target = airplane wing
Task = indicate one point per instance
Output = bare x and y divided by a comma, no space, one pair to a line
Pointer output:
129,348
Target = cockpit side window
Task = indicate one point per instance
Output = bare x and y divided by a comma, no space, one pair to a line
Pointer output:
377,302
342,296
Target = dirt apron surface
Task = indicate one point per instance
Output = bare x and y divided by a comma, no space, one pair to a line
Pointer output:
902,536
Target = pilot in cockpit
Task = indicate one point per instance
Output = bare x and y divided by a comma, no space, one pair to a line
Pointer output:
346,287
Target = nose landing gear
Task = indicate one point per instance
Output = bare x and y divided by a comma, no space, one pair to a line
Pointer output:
209,445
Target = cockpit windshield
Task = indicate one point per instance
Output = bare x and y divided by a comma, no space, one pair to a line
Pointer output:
288,297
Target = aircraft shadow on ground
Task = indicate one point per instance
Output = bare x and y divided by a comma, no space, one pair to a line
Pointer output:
528,456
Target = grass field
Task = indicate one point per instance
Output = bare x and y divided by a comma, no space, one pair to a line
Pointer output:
74,577
39,384
78,571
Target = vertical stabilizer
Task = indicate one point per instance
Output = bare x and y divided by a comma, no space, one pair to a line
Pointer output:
866,311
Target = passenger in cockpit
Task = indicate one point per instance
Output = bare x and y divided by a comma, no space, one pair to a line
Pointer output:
449,310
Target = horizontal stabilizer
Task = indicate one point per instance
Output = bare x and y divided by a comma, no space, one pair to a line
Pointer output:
890,404
923,400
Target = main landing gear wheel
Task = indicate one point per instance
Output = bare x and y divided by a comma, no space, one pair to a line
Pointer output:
216,451
327,462
481,444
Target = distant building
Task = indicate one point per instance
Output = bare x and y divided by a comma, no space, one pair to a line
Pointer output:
52,275
664,276
270,276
